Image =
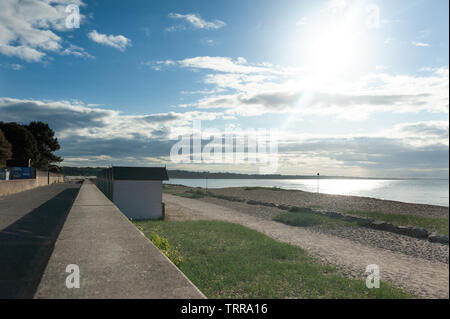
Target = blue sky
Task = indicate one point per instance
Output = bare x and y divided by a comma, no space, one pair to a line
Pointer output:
353,87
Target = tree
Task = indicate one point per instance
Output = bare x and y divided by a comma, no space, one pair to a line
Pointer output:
5,149
47,143
24,145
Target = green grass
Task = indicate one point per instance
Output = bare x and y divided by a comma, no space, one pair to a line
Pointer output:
163,244
306,219
194,194
253,188
315,207
227,260
274,188
439,225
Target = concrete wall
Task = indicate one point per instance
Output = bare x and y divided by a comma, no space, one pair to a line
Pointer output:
138,199
20,185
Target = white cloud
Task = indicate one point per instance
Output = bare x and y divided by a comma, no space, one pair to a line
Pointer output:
420,44
422,133
158,65
333,4
222,64
218,64
209,42
23,52
194,21
255,89
12,66
241,60
76,51
27,27
116,41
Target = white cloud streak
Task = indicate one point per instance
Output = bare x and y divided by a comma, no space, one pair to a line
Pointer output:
420,44
77,51
116,41
194,21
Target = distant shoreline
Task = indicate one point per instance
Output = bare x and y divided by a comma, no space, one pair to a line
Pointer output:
182,174
323,177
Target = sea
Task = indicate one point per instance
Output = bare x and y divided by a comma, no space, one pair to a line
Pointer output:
420,191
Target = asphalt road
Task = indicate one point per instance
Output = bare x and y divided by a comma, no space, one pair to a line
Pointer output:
30,222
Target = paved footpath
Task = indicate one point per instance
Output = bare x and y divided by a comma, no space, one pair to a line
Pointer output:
114,258
425,278
30,222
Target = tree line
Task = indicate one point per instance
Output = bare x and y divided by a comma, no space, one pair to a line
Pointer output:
34,142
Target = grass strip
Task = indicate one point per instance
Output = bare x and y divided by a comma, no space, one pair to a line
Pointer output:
308,219
437,224
226,260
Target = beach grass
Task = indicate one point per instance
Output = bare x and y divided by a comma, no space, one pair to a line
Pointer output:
273,188
192,194
308,219
437,224
226,260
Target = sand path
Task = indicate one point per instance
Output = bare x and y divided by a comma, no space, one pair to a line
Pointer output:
424,278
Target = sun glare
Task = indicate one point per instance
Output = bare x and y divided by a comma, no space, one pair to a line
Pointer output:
333,51
332,43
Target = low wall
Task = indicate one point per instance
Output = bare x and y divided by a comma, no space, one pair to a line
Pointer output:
19,185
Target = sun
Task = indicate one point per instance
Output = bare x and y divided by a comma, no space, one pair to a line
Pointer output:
333,51
334,42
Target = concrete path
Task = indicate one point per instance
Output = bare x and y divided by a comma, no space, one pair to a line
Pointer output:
115,259
425,278
30,222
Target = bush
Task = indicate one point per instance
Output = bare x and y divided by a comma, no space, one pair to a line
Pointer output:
163,245
195,194
302,220
295,209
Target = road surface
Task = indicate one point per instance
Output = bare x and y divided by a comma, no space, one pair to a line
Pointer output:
30,222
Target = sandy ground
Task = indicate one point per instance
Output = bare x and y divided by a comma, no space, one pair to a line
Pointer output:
375,238
337,203
424,278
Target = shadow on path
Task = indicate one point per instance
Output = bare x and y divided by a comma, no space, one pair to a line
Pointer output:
27,244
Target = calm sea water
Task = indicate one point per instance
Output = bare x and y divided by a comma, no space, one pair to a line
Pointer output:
434,192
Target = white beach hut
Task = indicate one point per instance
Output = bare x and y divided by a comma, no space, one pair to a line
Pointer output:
136,191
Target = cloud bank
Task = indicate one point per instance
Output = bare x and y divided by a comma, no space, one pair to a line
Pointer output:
96,136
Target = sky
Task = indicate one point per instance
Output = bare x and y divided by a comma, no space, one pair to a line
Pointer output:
349,88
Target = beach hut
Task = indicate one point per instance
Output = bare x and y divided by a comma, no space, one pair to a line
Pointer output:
136,191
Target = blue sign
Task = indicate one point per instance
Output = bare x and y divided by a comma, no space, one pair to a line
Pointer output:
21,173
